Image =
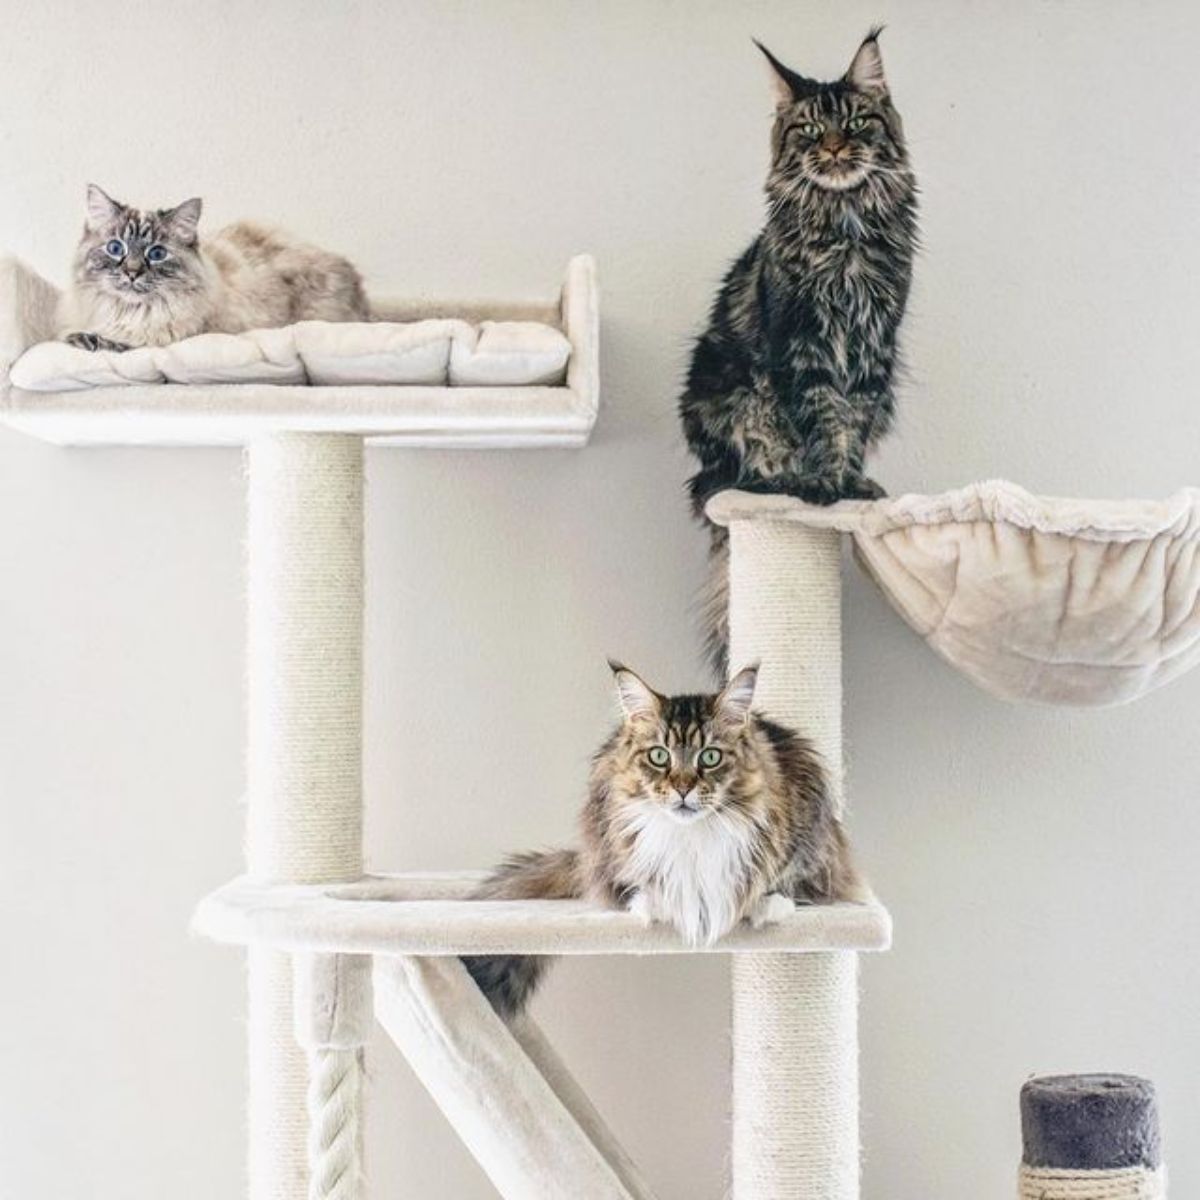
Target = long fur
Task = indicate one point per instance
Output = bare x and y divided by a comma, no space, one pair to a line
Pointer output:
790,385
244,277
698,849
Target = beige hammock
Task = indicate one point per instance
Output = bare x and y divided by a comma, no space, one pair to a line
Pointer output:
1054,601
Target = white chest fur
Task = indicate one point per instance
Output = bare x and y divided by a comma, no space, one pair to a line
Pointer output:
690,874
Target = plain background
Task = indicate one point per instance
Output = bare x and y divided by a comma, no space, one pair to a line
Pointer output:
1039,864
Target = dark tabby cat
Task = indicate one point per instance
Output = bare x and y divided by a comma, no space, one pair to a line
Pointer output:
791,383
700,814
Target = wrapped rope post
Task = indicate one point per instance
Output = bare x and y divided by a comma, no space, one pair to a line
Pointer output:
304,771
333,1016
795,1017
1090,1137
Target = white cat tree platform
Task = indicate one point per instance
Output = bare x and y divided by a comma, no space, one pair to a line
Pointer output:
234,414
330,948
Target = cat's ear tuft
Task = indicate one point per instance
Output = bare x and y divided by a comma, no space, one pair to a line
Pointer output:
637,698
102,209
787,86
734,702
866,69
184,219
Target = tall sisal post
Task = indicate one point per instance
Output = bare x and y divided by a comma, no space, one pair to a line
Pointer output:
304,785
795,1016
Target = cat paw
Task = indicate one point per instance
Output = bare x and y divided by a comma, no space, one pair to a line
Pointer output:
863,488
639,906
93,342
817,490
770,910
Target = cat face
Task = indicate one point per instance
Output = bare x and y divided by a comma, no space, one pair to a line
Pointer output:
833,136
136,256
682,755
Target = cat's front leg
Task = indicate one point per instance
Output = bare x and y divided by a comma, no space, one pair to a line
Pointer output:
823,429
639,905
93,341
770,910
874,409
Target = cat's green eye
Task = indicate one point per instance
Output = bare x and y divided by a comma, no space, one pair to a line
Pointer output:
659,756
856,124
710,757
810,129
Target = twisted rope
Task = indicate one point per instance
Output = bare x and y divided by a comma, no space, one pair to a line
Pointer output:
334,1133
1128,1183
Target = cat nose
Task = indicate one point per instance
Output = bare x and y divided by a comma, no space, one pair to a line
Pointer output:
688,799
133,268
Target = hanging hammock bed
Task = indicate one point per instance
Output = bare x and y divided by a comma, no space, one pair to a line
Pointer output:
1034,598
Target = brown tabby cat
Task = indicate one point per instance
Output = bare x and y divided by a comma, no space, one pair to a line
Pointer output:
700,814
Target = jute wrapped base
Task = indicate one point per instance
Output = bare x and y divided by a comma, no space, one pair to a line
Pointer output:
1132,1183
1090,1137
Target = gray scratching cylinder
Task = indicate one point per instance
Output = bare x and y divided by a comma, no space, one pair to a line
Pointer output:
1084,1131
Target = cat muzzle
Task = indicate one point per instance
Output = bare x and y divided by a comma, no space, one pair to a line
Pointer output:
686,807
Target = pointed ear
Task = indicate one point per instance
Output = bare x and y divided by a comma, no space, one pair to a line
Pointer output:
637,698
102,209
734,702
866,70
184,219
786,85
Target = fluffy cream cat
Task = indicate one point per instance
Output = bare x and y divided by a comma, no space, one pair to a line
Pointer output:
146,279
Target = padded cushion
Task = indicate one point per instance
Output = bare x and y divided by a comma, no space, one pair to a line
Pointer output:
436,353
507,352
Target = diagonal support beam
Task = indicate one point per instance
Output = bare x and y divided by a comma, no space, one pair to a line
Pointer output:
514,1104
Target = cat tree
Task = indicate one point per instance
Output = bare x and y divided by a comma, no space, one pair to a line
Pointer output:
330,949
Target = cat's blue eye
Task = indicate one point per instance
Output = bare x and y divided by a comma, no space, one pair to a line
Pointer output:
156,254
659,756
710,757
115,248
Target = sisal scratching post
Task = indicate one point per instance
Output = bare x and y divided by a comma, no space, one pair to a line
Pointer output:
1090,1137
795,1017
304,772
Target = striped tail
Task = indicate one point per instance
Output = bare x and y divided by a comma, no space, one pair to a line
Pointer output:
509,980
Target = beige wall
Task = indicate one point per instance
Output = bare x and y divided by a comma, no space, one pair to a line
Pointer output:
1040,864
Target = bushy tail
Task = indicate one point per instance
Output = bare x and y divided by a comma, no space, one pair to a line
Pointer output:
509,980
714,608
